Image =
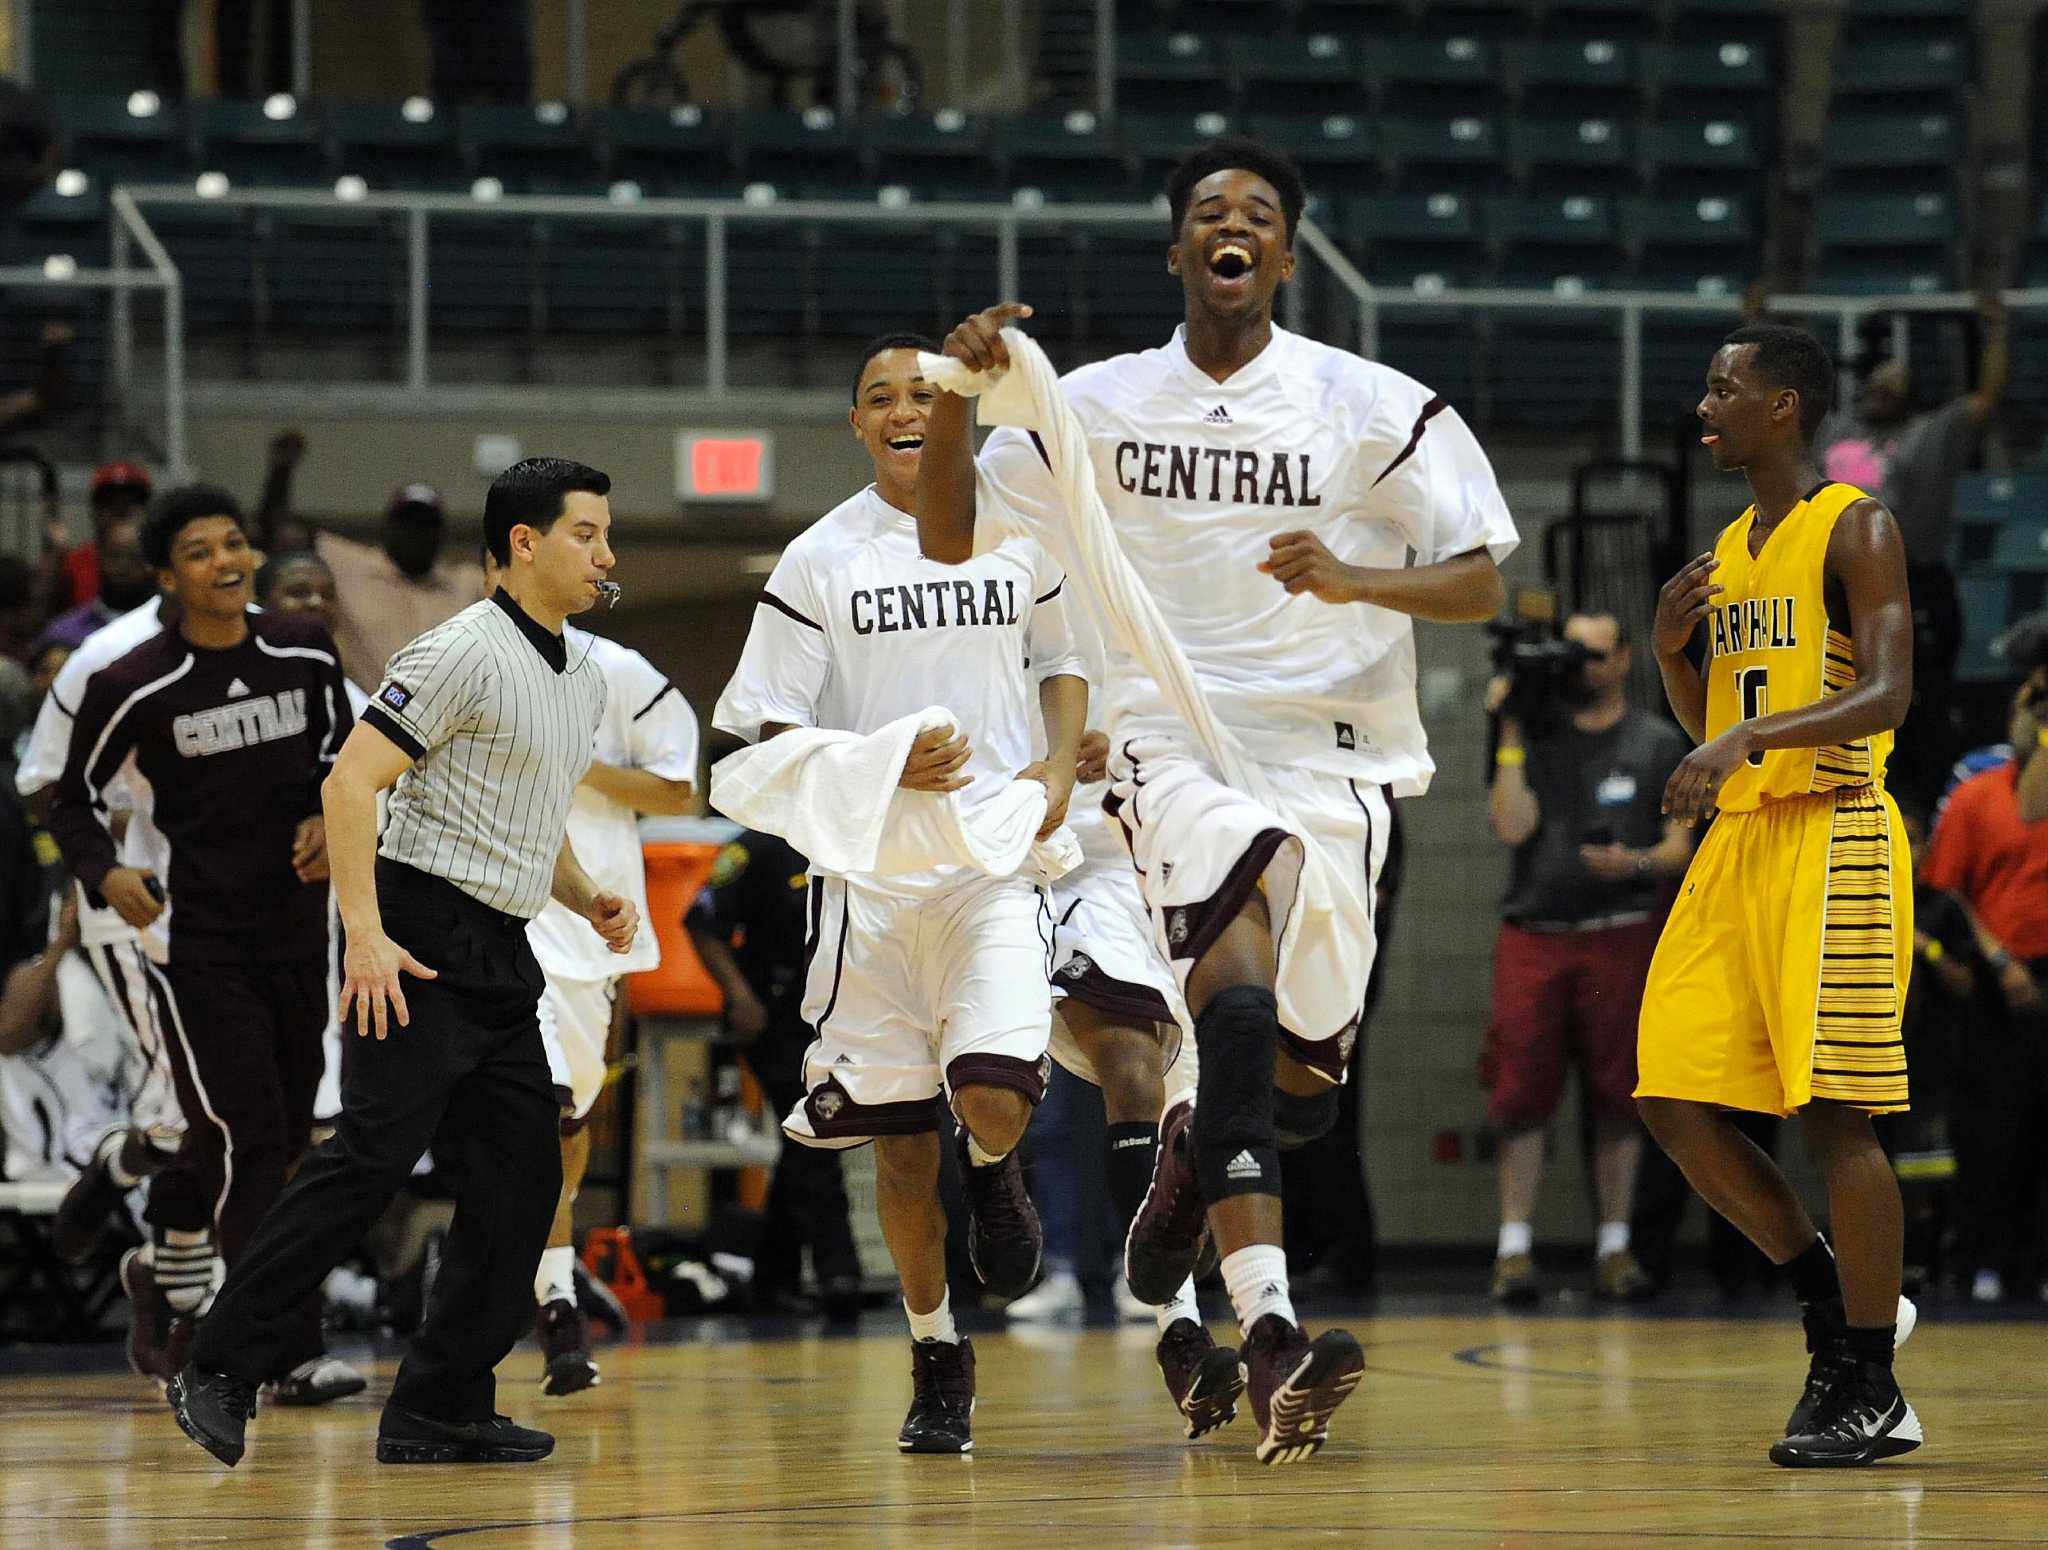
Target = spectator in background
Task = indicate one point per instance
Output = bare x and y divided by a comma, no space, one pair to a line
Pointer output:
279,529
119,490
51,392
399,588
1991,850
1578,798
125,580
1911,463
749,927
483,50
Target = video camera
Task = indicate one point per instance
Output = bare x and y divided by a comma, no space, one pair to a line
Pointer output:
1538,665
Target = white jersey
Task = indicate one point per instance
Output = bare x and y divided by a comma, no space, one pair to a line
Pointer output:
647,725
50,743
857,628
1198,475
58,1098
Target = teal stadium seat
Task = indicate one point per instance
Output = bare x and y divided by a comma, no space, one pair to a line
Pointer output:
1712,155
537,148
1874,244
1426,75
1569,239
277,142
1582,75
1070,156
1337,152
1578,154
941,155
333,269
678,152
214,249
1398,238
406,146
1170,72
1935,70
49,222
1459,150
1699,244
800,155
1494,18
1880,151
637,279
135,139
1155,142
1312,74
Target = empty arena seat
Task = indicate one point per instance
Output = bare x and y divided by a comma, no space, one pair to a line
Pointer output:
1071,155
1575,152
1555,371
1699,154
1701,76
1554,243
1872,149
1935,68
639,278
139,138
939,155
214,249
1578,74
50,222
809,154
335,269
1906,20
1461,150
1496,18
1313,74
1400,238
1154,142
394,145
678,151
536,148
1418,75
277,141
1683,242
1353,18
1170,72
482,275
1923,222
1337,152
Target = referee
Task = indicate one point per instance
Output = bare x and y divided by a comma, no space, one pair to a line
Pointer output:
481,729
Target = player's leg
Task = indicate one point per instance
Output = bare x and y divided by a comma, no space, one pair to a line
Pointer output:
1612,965
941,1359
575,1022
1522,1063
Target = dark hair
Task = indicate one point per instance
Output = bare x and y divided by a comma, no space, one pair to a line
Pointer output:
277,564
530,494
1236,153
1789,357
175,509
875,347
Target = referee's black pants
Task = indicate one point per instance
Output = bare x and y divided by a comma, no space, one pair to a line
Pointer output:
469,1077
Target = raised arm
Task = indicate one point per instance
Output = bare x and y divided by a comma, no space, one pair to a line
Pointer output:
944,504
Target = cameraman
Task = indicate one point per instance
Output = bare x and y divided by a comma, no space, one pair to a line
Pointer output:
1577,786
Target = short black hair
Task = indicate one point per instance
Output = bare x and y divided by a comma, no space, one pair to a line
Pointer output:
178,507
276,565
899,341
1238,153
530,494
1790,357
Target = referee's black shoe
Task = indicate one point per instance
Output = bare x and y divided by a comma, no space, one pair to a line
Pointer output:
406,1437
1004,1238
214,1410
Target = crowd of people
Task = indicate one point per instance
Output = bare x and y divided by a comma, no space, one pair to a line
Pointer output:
239,709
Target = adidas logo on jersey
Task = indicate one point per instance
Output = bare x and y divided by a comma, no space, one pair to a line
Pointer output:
237,687
1217,416
1243,1166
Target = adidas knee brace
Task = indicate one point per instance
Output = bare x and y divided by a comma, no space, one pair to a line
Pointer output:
1298,1121
1237,1037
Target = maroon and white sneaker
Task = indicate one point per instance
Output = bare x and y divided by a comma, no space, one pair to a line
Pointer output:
1166,1235
1296,1385
152,1322
1203,1377
564,1332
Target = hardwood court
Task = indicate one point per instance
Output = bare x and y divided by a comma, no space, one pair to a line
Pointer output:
1468,1431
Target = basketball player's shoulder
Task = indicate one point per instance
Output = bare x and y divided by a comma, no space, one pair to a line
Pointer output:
1118,385
1338,373
142,661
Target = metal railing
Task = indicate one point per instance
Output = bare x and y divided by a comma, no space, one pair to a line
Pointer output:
1321,257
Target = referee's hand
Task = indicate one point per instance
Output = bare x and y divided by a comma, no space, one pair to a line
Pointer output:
616,920
370,969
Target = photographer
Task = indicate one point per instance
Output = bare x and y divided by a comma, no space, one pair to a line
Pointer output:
1577,784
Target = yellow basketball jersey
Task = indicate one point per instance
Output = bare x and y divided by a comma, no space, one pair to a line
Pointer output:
1772,647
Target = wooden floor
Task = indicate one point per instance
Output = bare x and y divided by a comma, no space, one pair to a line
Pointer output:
1468,1431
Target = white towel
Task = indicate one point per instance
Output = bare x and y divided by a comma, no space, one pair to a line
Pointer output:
1028,395
834,796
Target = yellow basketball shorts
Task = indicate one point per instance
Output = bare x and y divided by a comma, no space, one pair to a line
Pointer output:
1781,973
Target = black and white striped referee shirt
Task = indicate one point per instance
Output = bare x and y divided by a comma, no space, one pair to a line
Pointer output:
500,725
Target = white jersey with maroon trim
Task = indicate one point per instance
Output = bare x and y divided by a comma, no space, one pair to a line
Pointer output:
1198,476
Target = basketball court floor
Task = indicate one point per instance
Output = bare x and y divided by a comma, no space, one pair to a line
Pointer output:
1471,1429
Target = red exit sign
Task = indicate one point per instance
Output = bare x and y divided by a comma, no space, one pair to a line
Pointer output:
725,466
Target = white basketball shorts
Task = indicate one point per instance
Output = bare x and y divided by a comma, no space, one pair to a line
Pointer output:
913,998
1202,848
1104,958
575,1026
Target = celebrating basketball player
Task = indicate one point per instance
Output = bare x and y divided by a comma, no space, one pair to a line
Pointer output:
1267,491
1778,984
931,984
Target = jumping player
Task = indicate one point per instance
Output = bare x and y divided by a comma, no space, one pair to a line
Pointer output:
931,987
1779,981
1260,484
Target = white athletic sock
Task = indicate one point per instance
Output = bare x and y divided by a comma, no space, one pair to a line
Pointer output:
1613,1239
184,1268
1515,1238
555,1281
110,1151
935,1325
1182,1306
978,1157
1257,1279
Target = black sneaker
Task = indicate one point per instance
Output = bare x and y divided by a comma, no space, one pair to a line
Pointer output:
565,1339
941,1398
1166,1238
1827,1324
94,1197
406,1437
1004,1238
1296,1384
1203,1377
214,1410
1862,1417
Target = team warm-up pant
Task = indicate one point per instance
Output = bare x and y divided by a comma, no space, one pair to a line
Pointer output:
468,1076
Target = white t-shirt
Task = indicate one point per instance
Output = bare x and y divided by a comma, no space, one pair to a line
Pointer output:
1198,475
857,628
647,725
59,1098
50,743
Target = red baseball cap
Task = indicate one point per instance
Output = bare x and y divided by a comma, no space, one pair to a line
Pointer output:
120,476
422,498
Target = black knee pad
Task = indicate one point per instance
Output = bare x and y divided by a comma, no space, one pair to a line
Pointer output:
1237,1037
1298,1121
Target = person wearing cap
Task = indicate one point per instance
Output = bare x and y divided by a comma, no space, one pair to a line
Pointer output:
119,490
399,588
124,580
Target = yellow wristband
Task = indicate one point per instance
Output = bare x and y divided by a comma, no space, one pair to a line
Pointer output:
2041,738
1933,952
1511,758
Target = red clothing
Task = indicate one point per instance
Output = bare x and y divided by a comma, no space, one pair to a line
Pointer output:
1563,999
82,573
1998,864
